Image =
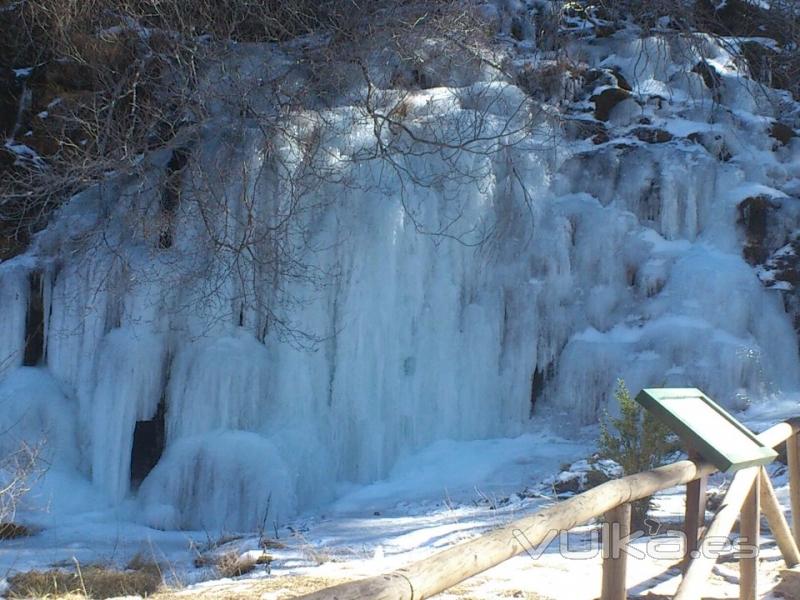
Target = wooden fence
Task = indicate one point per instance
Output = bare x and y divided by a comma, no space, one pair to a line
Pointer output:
749,494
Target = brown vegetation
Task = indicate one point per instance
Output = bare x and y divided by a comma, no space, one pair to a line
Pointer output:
233,564
10,531
95,581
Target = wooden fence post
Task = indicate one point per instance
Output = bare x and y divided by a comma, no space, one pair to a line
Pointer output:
748,544
615,557
695,513
700,567
777,522
793,458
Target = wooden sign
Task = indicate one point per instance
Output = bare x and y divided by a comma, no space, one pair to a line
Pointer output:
706,428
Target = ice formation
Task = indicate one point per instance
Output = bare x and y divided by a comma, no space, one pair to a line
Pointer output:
489,290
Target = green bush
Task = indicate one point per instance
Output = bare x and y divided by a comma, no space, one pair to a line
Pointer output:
636,441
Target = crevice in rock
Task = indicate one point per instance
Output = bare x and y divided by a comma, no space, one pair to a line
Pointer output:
170,197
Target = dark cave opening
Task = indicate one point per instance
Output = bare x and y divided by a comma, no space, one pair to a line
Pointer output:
539,380
34,323
148,445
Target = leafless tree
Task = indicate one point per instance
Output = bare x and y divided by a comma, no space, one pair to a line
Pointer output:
151,73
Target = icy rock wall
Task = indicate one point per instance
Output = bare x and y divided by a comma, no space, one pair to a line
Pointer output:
490,285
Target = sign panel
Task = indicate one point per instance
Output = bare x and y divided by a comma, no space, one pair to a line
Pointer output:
706,427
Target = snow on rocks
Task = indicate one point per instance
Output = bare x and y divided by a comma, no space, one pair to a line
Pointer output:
583,475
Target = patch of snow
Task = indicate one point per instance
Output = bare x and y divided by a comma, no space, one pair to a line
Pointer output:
456,470
24,153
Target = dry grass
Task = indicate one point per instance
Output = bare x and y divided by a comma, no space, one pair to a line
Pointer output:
10,531
95,581
469,590
232,564
287,586
270,544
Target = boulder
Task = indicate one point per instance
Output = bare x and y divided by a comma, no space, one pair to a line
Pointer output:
713,143
622,83
709,74
582,129
607,100
781,132
584,475
652,135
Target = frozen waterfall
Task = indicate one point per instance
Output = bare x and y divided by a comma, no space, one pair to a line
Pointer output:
300,336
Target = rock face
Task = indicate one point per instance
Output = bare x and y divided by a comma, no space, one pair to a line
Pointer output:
754,215
773,247
737,17
10,90
785,264
781,271
770,53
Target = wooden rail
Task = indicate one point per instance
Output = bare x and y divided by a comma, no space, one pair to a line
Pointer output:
749,488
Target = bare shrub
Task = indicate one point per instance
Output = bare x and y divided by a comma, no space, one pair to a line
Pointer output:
18,471
231,564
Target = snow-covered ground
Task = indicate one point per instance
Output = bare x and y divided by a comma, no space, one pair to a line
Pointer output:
446,493
444,484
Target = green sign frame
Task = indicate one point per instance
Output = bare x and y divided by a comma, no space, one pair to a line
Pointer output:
706,428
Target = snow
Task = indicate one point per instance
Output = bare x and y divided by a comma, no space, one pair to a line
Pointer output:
397,343
382,526
24,153
412,503
34,411
457,470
